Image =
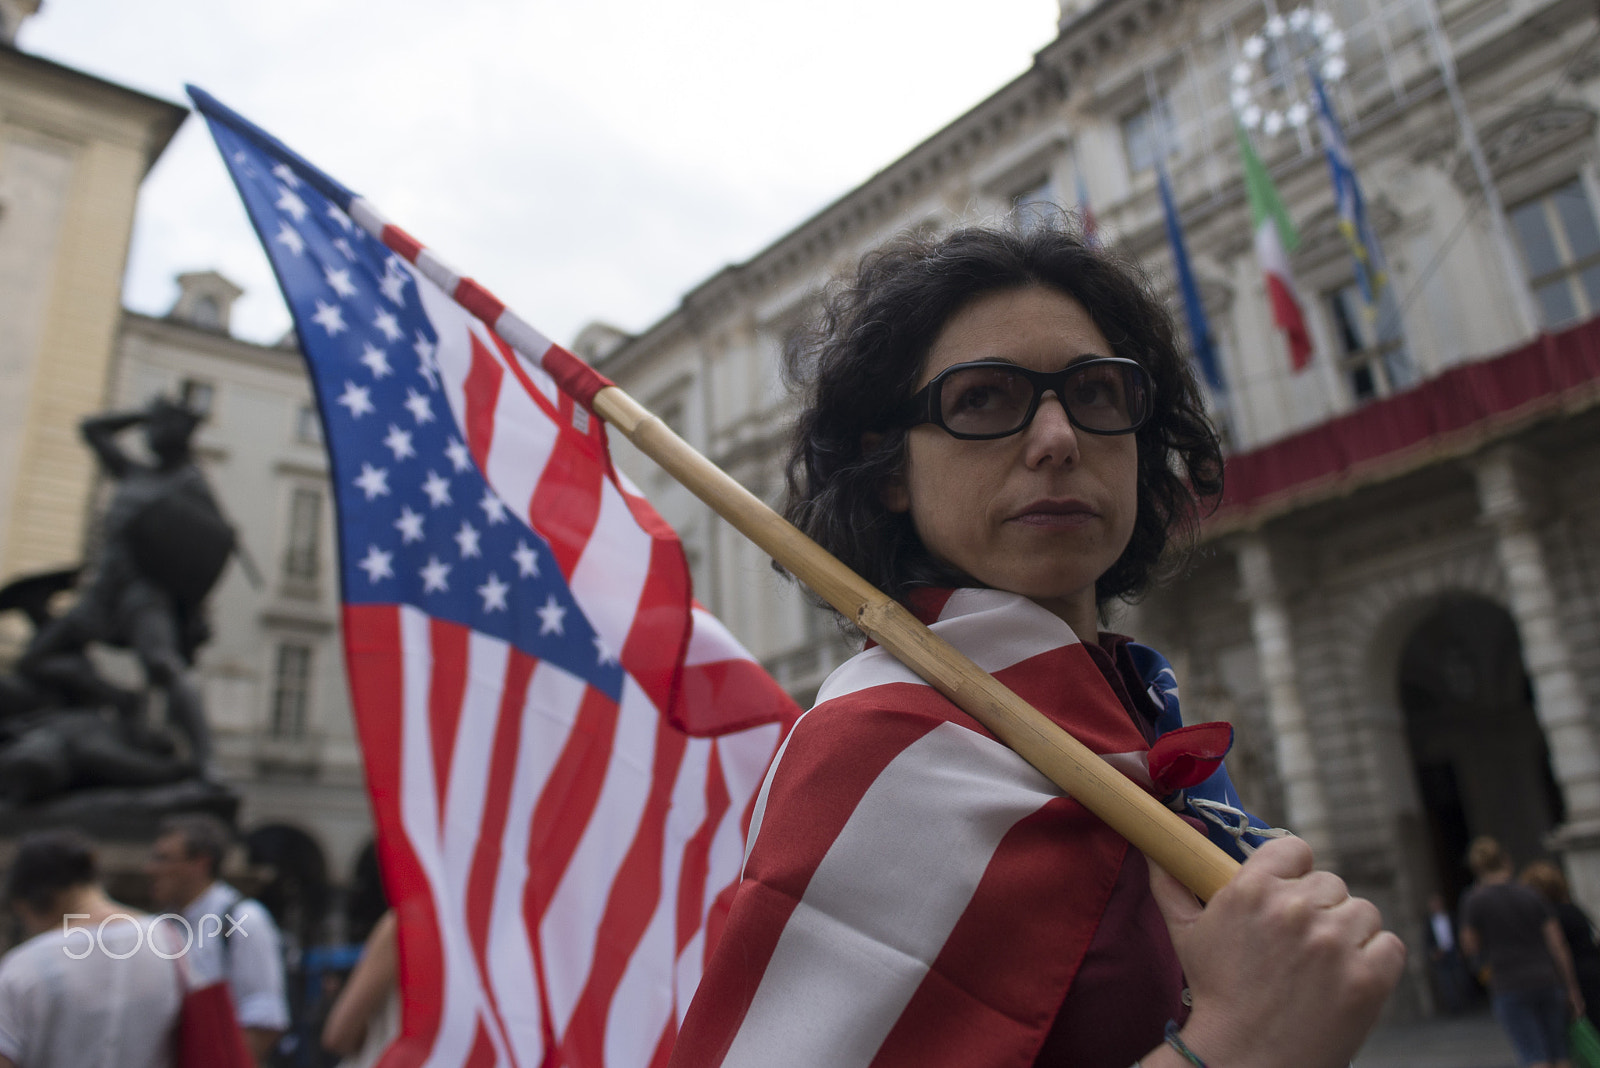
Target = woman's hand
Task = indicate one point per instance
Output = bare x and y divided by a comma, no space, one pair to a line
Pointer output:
1285,967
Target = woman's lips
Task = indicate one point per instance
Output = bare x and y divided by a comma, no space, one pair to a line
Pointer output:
1068,512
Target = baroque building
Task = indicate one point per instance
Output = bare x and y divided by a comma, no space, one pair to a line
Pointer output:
1398,603
73,151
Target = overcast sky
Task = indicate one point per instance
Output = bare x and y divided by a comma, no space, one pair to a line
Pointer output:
584,160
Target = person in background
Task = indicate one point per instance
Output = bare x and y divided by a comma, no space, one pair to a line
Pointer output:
87,989
1450,979
1579,931
235,937
365,1017
1513,931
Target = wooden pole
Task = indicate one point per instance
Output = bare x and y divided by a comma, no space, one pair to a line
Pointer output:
1154,829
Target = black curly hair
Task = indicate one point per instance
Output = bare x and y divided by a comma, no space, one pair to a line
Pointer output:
858,363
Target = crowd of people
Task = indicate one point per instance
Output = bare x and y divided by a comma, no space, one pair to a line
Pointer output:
101,983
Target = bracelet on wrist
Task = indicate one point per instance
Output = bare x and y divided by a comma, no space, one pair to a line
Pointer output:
1175,1040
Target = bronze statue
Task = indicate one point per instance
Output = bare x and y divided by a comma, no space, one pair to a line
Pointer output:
163,543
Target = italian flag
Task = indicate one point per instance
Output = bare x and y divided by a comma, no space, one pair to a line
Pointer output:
1275,239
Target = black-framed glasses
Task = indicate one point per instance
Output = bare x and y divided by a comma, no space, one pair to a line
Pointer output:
994,399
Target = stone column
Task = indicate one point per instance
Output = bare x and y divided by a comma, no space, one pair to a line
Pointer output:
1264,591
1510,494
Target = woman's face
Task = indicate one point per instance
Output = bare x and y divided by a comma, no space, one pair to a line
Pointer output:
1046,511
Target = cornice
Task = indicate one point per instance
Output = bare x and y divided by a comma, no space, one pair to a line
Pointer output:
194,339
61,85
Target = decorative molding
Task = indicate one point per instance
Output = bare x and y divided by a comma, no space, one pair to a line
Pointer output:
1525,136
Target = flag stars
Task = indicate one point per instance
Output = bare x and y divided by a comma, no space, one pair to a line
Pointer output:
285,174
330,318
373,481
427,360
435,576
289,202
420,406
377,361
437,487
337,215
387,325
340,281
377,564
527,560
459,457
602,654
399,443
290,238
344,246
409,525
357,398
552,618
494,593
467,541
494,509
393,286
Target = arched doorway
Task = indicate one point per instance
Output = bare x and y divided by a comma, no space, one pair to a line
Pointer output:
296,890
1481,761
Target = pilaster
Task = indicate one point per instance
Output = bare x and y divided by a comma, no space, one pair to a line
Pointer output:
1513,501
1266,592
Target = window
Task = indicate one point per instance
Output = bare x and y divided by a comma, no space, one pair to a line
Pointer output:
1373,357
1561,247
305,528
307,425
207,313
291,690
197,396
1144,138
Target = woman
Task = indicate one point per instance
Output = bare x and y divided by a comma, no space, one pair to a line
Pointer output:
1576,928
1000,431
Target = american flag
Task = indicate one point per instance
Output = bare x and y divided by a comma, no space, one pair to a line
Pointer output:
562,751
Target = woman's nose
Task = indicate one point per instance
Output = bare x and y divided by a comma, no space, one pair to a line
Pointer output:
1051,437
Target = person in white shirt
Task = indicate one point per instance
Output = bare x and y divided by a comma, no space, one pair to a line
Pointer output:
235,937
98,984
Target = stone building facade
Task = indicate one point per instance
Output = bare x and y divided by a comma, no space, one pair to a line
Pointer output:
1399,604
73,151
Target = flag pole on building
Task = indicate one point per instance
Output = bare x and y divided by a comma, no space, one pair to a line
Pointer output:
1521,299
1150,826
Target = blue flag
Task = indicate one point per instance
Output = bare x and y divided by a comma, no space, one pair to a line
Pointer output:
1353,221
1205,350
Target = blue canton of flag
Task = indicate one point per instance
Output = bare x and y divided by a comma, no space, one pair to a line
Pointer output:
418,523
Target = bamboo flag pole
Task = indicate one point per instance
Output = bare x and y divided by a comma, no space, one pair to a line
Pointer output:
1154,829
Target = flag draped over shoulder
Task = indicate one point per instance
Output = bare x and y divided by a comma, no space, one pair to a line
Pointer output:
1200,337
917,896
561,749
1275,238
1353,222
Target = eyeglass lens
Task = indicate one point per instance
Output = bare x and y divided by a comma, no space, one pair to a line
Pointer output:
996,399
